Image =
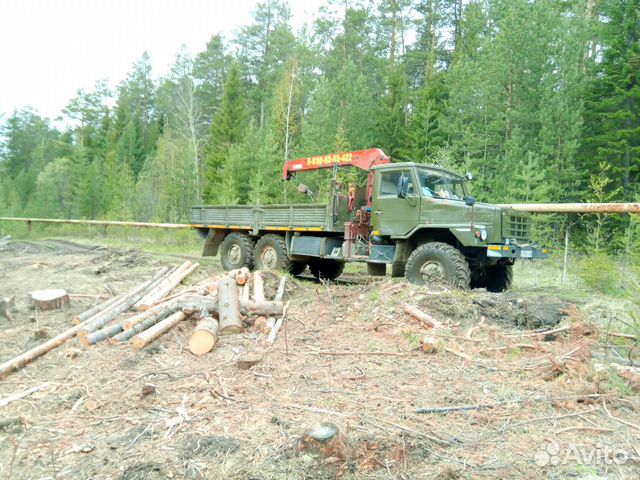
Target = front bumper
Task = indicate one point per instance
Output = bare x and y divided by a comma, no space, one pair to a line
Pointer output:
516,251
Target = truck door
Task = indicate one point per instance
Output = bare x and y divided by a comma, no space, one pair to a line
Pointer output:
395,209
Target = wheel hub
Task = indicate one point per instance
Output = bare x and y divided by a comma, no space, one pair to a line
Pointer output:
269,258
235,254
432,270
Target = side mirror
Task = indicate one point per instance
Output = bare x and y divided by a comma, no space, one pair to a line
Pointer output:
468,176
469,201
403,186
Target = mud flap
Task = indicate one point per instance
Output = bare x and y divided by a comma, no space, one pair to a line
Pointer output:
212,242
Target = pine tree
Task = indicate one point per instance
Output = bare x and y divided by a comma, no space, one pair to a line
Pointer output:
227,129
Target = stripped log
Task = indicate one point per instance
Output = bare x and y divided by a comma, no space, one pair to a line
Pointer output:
424,318
229,307
204,337
100,335
150,321
246,293
97,309
162,284
258,287
145,338
209,304
54,299
101,319
277,324
163,289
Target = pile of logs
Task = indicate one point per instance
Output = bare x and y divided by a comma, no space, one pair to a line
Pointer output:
222,305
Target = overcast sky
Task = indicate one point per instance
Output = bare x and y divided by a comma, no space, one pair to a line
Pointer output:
51,48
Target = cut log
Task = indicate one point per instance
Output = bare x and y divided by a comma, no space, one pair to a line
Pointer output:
204,337
258,288
6,305
49,299
145,338
142,326
265,308
168,284
97,309
160,309
260,323
101,319
424,318
100,335
242,277
246,292
229,307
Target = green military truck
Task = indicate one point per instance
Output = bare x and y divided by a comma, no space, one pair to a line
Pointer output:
418,218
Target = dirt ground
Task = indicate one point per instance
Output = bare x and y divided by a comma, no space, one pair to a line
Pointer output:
525,405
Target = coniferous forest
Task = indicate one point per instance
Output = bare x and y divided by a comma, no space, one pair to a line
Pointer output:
539,99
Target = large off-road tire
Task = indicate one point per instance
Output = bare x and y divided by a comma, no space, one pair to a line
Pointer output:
498,278
376,269
326,269
270,253
236,251
437,262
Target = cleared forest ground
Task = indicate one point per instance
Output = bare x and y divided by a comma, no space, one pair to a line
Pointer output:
524,405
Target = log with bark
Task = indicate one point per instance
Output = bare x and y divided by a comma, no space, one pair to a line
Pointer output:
424,318
204,337
229,307
53,299
98,308
146,337
102,334
99,320
148,322
168,284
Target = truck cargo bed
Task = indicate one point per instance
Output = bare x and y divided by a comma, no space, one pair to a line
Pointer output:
300,217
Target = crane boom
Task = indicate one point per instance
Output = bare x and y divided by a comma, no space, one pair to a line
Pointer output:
363,159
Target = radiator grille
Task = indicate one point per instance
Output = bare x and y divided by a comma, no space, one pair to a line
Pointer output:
515,226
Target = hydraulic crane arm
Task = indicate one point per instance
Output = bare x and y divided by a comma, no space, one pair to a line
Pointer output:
363,159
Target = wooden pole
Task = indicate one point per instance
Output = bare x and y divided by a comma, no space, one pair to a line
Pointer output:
145,338
126,335
258,287
98,308
100,335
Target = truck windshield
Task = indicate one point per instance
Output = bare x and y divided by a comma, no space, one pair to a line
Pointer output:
437,184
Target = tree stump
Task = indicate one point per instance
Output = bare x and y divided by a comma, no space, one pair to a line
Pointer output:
324,439
6,305
49,299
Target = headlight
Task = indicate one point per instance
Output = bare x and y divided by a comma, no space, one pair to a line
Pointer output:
483,235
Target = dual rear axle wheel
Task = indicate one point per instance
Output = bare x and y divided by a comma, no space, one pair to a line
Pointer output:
269,252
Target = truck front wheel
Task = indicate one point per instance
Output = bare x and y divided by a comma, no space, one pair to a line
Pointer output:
437,262
326,269
236,251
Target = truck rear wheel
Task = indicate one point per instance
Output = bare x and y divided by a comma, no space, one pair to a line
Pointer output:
236,251
271,254
326,269
437,262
